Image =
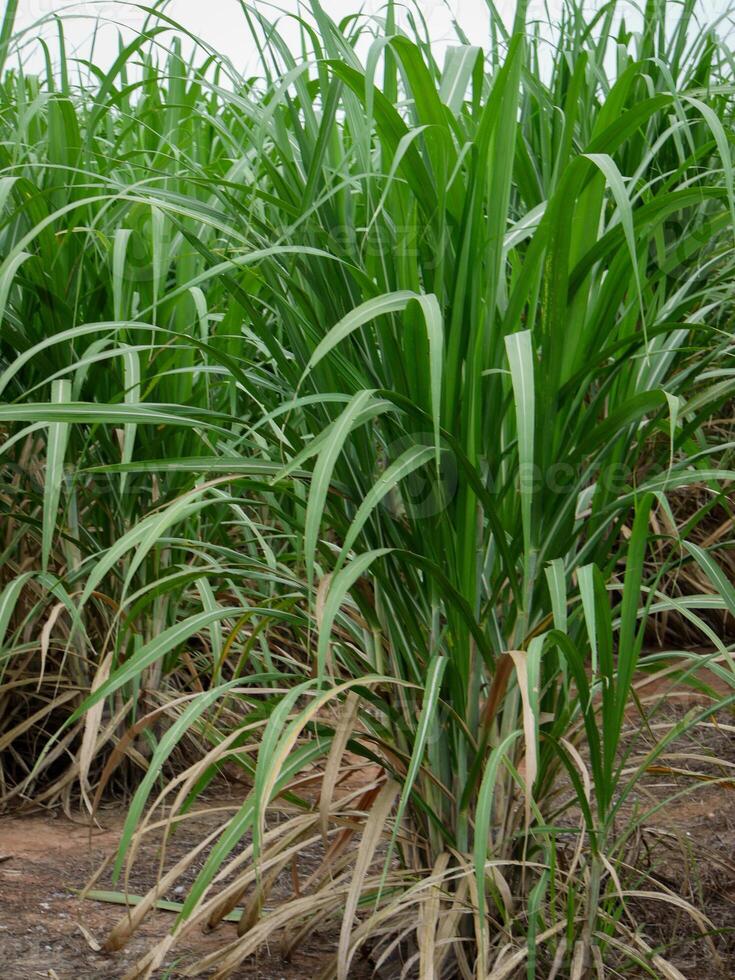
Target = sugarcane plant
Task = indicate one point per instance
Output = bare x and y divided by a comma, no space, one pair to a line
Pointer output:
345,406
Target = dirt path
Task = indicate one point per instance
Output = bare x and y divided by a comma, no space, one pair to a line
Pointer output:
47,931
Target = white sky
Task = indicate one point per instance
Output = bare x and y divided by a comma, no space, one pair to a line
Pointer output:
221,23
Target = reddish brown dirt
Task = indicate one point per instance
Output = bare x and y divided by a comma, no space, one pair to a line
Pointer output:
687,845
46,860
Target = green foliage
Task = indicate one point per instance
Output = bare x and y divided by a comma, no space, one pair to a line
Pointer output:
345,410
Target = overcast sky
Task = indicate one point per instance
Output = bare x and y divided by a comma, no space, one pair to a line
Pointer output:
221,23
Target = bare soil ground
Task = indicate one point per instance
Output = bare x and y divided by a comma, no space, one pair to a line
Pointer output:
687,846
47,931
